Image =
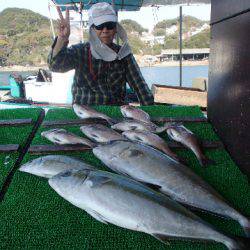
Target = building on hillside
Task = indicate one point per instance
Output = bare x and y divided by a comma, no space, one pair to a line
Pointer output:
151,39
171,30
187,54
159,39
147,38
202,28
148,60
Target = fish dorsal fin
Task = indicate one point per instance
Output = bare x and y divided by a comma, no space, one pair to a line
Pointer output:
163,238
61,130
96,181
97,216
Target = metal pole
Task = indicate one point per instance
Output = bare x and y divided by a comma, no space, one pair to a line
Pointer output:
180,45
51,22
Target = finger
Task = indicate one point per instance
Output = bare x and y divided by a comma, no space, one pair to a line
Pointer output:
67,15
59,12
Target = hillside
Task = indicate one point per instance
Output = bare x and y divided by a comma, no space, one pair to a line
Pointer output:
196,33
25,36
188,23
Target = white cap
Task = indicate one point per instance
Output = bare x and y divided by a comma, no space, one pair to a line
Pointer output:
101,13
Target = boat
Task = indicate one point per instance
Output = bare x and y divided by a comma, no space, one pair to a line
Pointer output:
56,89
33,216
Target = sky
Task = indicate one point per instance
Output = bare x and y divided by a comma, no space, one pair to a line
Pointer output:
147,16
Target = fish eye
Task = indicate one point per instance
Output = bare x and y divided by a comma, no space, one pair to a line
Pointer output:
133,127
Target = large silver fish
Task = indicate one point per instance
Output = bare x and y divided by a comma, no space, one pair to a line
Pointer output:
114,199
135,113
181,134
84,111
153,140
50,165
62,136
148,165
138,125
100,133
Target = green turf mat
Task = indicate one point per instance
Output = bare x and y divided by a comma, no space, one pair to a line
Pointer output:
18,134
33,216
7,161
14,135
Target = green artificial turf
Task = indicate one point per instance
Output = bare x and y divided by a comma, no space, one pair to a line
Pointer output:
14,135
34,216
7,161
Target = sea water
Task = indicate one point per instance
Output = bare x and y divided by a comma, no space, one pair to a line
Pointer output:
152,75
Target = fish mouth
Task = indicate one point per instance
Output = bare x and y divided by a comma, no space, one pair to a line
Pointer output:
24,167
44,133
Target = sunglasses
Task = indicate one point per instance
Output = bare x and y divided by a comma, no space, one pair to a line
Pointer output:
108,25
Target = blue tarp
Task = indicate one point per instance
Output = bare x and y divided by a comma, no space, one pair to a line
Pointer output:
127,5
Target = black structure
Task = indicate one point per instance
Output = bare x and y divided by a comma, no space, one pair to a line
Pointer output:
229,77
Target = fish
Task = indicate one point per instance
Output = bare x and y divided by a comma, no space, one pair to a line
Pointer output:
151,167
181,134
62,136
114,199
84,111
135,113
153,140
127,125
50,165
100,133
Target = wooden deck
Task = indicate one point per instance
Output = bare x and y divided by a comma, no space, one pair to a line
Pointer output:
179,95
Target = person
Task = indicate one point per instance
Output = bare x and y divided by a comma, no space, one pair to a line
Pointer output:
102,68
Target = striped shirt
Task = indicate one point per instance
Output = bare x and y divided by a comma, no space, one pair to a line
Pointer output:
99,82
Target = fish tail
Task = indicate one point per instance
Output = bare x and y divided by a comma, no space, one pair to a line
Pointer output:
161,129
92,144
182,160
167,125
206,162
240,243
112,121
245,223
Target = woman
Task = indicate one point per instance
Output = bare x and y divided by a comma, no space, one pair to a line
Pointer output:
102,68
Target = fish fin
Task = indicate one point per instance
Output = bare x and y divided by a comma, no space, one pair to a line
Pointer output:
92,144
163,238
242,243
96,181
172,124
246,226
206,162
160,129
97,216
112,121
182,161
151,185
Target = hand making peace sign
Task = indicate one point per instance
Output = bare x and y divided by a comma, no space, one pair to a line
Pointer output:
63,25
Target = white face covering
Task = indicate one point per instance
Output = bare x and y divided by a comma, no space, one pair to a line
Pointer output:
101,51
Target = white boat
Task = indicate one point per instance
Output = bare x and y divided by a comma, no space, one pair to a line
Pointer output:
54,91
